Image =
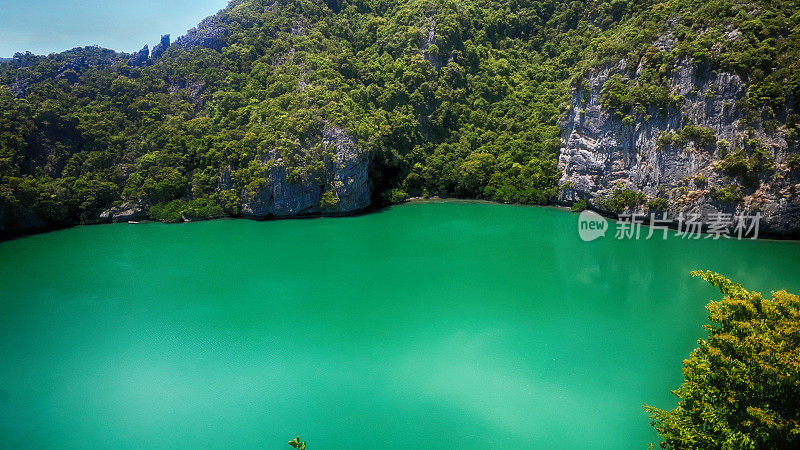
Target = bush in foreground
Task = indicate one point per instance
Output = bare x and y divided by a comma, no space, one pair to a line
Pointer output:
742,384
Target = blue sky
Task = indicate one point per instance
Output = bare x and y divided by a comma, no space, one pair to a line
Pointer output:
46,26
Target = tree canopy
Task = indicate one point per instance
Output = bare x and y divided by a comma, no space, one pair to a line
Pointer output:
742,383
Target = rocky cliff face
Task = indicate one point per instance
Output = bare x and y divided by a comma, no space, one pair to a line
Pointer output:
210,33
603,153
341,187
161,47
140,58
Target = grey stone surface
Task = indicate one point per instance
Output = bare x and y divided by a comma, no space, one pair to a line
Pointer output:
124,213
345,174
19,88
210,33
140,58
161,47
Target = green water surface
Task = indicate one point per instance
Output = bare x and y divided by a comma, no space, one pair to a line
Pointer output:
428,325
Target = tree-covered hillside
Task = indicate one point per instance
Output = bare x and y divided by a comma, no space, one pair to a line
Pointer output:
446,97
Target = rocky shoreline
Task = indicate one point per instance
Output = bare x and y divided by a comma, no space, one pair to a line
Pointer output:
139,216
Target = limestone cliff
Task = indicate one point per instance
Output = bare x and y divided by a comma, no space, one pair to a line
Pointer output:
341,186
700,155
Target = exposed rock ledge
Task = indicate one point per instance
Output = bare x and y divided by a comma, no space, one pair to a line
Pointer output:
345,179
124,213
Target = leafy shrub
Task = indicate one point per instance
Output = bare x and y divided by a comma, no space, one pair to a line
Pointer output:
728,194
703,137
628,121
793,161
666,138
734,164
761,160
748,167
700,180
329,200
620,199
615,95
396,196
620,97
658,204
579,206
723,146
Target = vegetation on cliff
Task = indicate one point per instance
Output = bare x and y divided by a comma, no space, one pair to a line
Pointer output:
448,97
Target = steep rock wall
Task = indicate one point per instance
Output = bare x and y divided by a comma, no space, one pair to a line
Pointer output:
601,153
342,187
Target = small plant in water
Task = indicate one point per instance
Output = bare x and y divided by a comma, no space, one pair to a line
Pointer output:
296,443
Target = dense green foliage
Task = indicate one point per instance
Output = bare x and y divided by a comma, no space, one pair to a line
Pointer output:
658,204
758,40
579,206
456,98
727,194
620,199
747,163
701,136
741,384
180,210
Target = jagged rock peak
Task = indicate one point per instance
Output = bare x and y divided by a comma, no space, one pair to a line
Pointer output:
210,33
140,58
161,47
